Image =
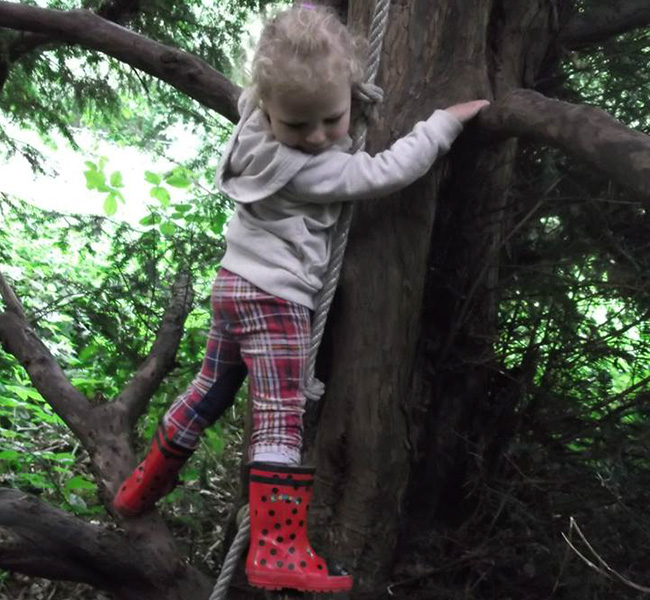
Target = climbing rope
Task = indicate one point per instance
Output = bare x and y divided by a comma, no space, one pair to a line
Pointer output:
239,544
366,92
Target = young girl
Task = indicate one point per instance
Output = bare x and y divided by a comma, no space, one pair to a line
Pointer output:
287,169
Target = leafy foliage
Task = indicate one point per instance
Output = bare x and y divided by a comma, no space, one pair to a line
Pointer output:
573,319
609,76
95,291
57,88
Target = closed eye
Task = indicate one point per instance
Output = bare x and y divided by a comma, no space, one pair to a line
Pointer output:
333,120
294,125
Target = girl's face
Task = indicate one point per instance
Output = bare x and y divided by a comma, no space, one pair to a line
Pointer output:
311,121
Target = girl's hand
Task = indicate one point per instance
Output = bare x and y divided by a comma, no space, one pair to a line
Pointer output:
467,110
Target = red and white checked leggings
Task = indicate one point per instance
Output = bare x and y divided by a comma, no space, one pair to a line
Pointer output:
269,337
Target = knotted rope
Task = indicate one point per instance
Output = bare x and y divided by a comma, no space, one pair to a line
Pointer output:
366,92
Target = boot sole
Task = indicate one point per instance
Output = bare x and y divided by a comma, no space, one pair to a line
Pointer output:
278,582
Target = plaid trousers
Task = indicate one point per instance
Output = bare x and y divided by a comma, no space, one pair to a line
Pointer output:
267,337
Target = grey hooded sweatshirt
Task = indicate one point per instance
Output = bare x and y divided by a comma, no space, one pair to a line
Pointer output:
287,201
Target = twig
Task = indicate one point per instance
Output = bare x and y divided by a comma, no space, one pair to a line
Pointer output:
604,568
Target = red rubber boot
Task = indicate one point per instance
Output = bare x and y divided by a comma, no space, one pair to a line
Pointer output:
280,555
154,477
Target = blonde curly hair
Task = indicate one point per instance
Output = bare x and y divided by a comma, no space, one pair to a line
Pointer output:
305,47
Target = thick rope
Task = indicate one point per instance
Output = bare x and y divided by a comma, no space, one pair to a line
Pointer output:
239,544
368,91
314,389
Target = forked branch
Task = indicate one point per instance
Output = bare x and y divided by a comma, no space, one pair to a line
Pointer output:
43,541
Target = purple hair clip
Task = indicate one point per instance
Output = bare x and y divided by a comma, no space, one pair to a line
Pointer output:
308,6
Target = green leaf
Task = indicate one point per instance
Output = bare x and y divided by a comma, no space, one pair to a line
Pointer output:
110,205
87,353
94,179
24,392
9,455
35,479
161,194
116,180
80,483
168,228
151,219
216,440
152,177
218,224
177,180
65,457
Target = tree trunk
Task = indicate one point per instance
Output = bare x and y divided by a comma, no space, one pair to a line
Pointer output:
417,406
411,371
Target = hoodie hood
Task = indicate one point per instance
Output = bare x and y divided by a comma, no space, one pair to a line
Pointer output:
254,164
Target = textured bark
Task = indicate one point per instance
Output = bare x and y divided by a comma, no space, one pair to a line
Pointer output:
39,540
400,417
45,542
585,132
415,399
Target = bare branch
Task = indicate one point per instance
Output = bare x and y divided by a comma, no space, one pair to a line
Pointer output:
588,133
160,360
42,541
11,300
19,339
599,24
187,73
117,11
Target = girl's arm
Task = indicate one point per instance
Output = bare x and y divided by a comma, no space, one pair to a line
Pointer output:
336,176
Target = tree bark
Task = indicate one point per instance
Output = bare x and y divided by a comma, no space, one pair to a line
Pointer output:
39,540
416,400
45,542
585,132
392,443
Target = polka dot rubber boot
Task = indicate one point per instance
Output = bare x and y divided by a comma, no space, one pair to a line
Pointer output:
280,555
154,477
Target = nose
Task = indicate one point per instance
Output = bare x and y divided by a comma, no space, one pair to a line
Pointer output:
316,136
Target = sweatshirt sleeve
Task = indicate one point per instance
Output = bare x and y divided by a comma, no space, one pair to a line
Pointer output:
335,176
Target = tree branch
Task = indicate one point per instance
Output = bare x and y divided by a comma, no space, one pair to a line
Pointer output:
588,133
19,339
103,429
118,11
187,73
136,394
39,540
11,300
599,24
